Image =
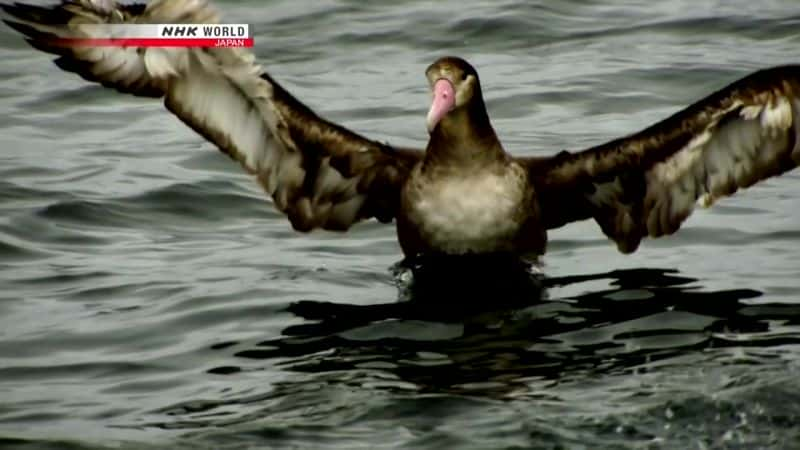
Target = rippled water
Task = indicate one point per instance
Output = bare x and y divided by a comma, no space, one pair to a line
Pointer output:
152,297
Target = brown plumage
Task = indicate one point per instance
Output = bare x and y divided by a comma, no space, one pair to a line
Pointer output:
647,184
464,193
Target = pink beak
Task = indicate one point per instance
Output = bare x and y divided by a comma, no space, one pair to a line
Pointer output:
444,99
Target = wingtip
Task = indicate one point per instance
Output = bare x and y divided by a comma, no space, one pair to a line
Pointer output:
40,40
21,27
52,15
20,11
6,8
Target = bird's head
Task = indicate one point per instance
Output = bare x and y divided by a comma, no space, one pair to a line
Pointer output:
454,85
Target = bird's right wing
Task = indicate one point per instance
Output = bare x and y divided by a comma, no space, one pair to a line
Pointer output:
320,174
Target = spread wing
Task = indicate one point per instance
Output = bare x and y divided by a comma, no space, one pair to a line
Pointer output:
648,183
318,173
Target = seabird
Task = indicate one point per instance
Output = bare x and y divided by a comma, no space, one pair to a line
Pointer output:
463,194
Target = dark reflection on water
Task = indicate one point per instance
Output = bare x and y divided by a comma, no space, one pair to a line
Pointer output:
489,349
496,344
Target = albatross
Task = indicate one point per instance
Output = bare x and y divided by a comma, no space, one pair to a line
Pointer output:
461,195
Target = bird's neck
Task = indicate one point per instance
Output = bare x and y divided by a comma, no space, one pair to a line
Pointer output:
465,137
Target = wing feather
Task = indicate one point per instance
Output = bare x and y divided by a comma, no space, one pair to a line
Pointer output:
648,183
319,174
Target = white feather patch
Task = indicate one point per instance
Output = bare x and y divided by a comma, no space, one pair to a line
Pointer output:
777,116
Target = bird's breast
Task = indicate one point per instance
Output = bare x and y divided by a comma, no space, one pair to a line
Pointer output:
467,212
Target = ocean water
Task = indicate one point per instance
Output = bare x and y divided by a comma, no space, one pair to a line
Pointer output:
152,297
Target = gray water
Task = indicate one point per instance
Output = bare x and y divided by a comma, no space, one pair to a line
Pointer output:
152,298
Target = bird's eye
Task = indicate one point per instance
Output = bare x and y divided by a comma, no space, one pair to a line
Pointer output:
464,76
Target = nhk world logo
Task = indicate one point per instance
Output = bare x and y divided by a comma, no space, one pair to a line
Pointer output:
162,35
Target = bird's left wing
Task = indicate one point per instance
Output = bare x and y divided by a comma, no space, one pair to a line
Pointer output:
320,174
648,183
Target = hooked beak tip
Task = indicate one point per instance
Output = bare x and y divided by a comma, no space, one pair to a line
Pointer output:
444,100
